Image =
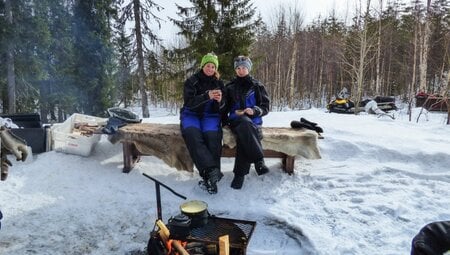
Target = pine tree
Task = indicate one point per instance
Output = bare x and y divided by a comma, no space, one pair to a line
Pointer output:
237,30
11,77
3,34
58,91
93,53
225,27
140,11
197,26
27,40
124,78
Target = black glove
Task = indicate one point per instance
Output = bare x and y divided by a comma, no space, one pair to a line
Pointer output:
112,125
306,124
303,120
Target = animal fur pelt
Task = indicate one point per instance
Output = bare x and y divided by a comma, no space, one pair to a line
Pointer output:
161,140
10,143
165,142
286,140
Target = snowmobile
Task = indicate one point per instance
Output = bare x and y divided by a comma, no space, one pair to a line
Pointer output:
340,105
379,105
384,103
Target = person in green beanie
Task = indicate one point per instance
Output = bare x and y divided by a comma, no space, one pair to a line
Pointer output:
201,121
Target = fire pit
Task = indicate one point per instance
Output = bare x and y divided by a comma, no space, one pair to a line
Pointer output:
203,237
238,231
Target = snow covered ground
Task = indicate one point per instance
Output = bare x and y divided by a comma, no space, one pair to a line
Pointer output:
378,182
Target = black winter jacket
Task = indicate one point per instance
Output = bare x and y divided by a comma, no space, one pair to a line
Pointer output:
239,95
196,90
432,239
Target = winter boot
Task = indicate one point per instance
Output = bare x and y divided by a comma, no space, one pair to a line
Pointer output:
202,183
237,182
261,167
212,178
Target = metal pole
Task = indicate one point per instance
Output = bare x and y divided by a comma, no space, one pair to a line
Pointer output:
158,185
158,201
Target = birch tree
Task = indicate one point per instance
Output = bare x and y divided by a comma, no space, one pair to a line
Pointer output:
358,57
295,24
378,62
424,47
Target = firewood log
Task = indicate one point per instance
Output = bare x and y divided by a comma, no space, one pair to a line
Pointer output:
164,233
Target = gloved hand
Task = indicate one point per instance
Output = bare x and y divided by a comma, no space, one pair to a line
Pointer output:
13,144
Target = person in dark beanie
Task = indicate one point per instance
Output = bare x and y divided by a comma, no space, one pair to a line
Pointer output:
201,121
247,102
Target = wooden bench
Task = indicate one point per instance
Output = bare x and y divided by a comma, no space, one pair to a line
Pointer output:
131,156
165,142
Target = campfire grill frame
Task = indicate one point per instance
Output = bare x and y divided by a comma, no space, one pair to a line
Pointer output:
217,226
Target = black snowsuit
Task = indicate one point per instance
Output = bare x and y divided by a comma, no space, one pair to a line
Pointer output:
201,122
241,93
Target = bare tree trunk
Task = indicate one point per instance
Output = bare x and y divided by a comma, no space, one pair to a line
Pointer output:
378,62
11,76
306,66
140,57
413,80
363,58
384,89
292,66
446,94
424,50
321,67
278,79
360,72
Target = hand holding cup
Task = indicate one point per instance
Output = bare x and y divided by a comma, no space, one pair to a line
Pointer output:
215,94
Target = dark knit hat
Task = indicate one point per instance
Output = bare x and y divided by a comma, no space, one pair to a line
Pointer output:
243,61
210,58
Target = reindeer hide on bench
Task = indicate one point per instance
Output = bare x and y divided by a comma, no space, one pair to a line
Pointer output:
165,142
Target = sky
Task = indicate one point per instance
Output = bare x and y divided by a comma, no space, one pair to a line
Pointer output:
379,181
310,9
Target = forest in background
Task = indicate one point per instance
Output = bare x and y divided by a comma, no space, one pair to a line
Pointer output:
58,57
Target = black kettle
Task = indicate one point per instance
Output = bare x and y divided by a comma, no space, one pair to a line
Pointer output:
179,227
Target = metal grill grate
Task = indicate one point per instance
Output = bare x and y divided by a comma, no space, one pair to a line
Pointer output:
238,231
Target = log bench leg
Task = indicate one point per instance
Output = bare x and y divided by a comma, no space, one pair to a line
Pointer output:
130,156
289,164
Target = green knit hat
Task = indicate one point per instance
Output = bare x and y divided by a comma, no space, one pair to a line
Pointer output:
210,58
